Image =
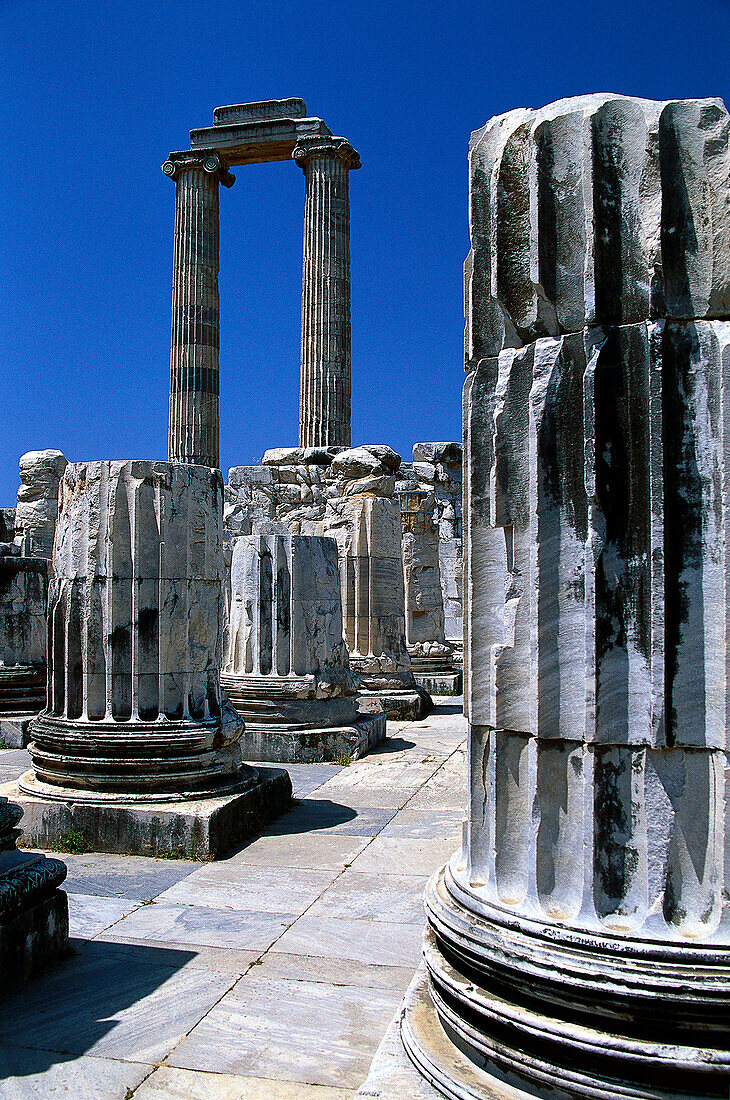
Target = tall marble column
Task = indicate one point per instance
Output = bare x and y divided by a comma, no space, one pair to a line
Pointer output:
195,337
324,396
579,944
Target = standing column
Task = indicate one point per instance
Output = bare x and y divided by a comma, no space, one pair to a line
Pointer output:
324,396
195,338
579,944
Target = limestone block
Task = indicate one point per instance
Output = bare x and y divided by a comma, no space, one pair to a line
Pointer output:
37,508
596,210
386,455
283,456
357,462
448,454
378,486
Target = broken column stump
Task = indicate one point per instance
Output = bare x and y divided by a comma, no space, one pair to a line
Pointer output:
579,945
137,749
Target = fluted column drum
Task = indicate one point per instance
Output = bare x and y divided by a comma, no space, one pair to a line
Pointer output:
368,533
579,945
287,672
324,396
134,638
195,337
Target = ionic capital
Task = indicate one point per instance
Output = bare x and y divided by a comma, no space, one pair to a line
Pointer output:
177,163
336,148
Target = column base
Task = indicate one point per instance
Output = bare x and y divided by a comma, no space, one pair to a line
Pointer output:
564,1012
22,692
33,915
394,1076
405,705
174,827
283,727
437,675
15,730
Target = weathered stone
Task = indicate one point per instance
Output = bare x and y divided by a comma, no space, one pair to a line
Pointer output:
386,455
135,712
267,108
448,454
37,509
287,671
282,456
378,486
33,911
425,637
324,395
579,943
436,473
358,462
367,531
23,598
596,210
24,593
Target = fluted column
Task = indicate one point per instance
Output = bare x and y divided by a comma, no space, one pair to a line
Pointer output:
195,337
134,638
579,944
324,396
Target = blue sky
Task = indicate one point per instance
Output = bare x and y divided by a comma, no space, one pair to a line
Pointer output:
94,95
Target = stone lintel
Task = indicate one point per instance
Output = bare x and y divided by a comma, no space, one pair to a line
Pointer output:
263,109
205,828
259,140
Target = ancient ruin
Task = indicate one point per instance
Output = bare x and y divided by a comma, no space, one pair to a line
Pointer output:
287,671
578,945
163,634
26,545
33,911
348,495
135,712
255,133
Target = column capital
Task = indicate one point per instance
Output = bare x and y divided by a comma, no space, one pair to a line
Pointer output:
312,146
210,162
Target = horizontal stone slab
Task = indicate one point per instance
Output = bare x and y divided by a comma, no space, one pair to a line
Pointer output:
266,108
191,829
257,141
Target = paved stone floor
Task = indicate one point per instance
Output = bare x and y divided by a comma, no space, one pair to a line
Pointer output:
272,974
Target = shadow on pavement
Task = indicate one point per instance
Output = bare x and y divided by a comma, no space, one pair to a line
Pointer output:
78,1002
